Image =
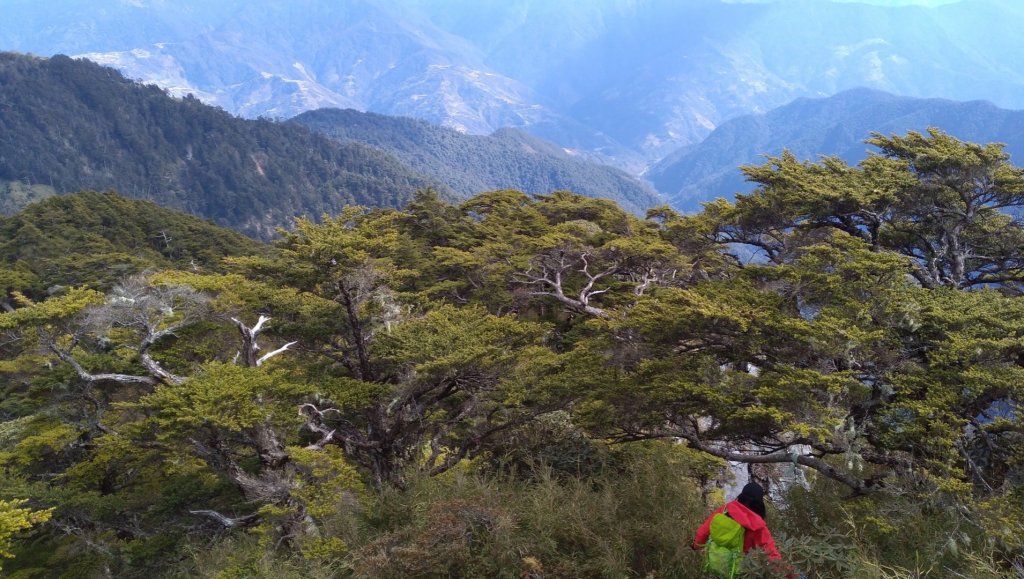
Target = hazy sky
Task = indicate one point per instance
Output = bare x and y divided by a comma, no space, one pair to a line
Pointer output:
875,2
902,2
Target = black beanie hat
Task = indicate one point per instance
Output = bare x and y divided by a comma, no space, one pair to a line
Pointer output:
753,491
752,497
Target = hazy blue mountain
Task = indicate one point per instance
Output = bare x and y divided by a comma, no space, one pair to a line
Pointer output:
810,128
277,59
624,80
68,125
659,74
469,164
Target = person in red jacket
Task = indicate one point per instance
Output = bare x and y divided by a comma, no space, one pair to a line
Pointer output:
748,511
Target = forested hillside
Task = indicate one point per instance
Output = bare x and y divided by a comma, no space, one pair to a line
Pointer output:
471,164
97,239
69,125
538,386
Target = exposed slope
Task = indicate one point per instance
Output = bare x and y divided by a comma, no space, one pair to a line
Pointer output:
507,159
70,125
810,128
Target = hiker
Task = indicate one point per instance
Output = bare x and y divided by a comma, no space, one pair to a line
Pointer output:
734,529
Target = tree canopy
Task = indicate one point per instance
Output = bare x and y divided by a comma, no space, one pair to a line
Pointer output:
843,332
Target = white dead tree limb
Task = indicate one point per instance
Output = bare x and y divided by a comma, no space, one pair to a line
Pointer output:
67,358
226,521
550,281
270,355
314,421
340,432
796,451
250,348
858,485
644,280
588,290
652,276
154,367
148,313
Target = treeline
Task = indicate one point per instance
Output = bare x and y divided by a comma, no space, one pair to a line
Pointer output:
470,164
543,386
69,125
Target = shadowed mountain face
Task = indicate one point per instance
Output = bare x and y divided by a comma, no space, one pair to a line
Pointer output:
471,164
810,128
624,80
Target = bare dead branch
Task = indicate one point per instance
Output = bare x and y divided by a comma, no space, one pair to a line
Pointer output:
68,359
270,355
859,486
551,278
229,522
157,370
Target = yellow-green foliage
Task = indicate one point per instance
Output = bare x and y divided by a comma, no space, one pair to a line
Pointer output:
224,396
14,517
885,536
37,439
329,484
65,306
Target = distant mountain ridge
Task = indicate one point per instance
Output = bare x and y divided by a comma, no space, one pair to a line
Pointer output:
621,80
811,128
469,164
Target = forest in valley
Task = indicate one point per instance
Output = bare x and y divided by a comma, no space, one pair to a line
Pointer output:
524,386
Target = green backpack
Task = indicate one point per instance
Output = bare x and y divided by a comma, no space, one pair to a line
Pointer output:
725,546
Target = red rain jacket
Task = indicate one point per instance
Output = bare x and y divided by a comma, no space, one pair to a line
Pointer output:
755,537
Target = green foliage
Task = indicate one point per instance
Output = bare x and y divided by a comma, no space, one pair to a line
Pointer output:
536,385
473,525
96,239
221,396
885,535
52,310
935,199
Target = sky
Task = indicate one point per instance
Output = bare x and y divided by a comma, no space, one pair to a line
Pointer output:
927,3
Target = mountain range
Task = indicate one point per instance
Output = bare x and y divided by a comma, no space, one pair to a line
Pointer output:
629,81
68,125
811,128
